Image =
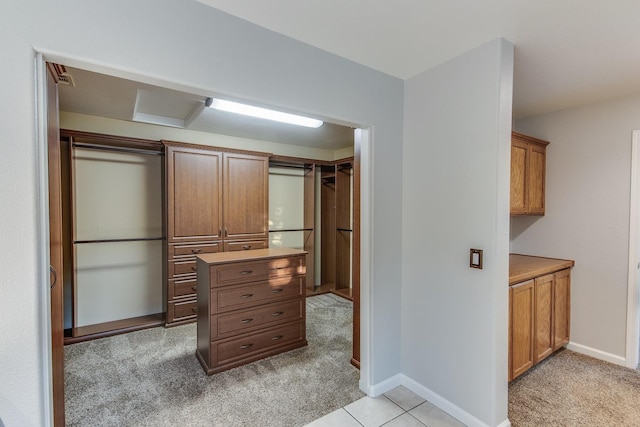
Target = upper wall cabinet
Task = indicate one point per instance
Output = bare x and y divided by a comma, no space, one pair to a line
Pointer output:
528,159
194,193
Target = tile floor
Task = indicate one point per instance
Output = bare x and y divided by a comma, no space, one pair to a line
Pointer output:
399,407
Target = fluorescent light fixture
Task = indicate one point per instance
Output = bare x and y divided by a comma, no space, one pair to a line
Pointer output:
262,113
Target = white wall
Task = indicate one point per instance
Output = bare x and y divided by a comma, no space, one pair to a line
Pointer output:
455,197
587,215
182,45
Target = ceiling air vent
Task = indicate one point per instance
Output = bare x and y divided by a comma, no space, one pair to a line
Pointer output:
61,75
66,79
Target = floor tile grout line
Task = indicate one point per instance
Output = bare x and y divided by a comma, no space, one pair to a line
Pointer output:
351,415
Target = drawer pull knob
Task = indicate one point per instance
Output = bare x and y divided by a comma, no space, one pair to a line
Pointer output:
246,320
277,337
194,309
196,251
246,346
194,288
277,291
277,313
246,247
245,272
246,296
193,268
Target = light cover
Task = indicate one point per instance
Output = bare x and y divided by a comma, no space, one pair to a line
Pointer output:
262,113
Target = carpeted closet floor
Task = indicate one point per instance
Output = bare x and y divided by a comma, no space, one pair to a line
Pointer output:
152,378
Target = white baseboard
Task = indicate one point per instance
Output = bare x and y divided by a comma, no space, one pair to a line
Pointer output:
444,404
598,354
385,386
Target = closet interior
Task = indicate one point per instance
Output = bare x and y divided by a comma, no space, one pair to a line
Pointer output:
137,212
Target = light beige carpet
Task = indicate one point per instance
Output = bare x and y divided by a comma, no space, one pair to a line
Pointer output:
152,378
570,389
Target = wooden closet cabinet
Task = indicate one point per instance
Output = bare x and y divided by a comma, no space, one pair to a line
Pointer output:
528,168
215,201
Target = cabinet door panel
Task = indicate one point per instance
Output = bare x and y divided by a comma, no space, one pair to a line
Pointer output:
194,187
543,344
521,339
519,166
562,312
536,179
246,197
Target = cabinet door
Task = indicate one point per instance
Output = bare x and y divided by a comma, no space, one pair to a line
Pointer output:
543,321
521,305
246,197
519,172
561,309
536,174
194,187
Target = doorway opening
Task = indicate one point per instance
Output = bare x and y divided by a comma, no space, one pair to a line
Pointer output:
361,227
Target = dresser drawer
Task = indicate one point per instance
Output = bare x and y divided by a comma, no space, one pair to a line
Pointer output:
181,310
182,288
190,251
246,245
252,344
234,323
251,271
181,268
244,296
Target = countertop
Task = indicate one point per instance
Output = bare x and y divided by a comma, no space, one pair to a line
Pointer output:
526,267
250,255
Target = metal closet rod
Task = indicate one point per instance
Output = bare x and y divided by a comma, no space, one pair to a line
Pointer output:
138,239
290,229
116,148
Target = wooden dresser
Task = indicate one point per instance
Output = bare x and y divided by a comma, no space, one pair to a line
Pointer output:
251,305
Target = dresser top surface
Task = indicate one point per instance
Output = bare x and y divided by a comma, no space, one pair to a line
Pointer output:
250,255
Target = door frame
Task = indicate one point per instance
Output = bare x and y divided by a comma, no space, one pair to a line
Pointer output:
363,132
633,293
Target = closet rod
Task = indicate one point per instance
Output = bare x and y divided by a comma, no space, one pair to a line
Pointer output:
139,239
284,165
115,148
291,229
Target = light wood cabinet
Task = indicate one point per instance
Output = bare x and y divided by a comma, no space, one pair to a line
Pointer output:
539,312
543,317
562,309
215,201
251,305
521,318
528,169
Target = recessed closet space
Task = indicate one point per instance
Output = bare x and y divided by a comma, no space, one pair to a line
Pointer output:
112,210
152,179
311,208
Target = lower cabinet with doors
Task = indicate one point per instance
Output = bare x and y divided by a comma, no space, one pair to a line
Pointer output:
251,305
539,309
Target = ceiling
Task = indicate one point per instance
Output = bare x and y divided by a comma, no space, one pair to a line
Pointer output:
567,52
112,97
